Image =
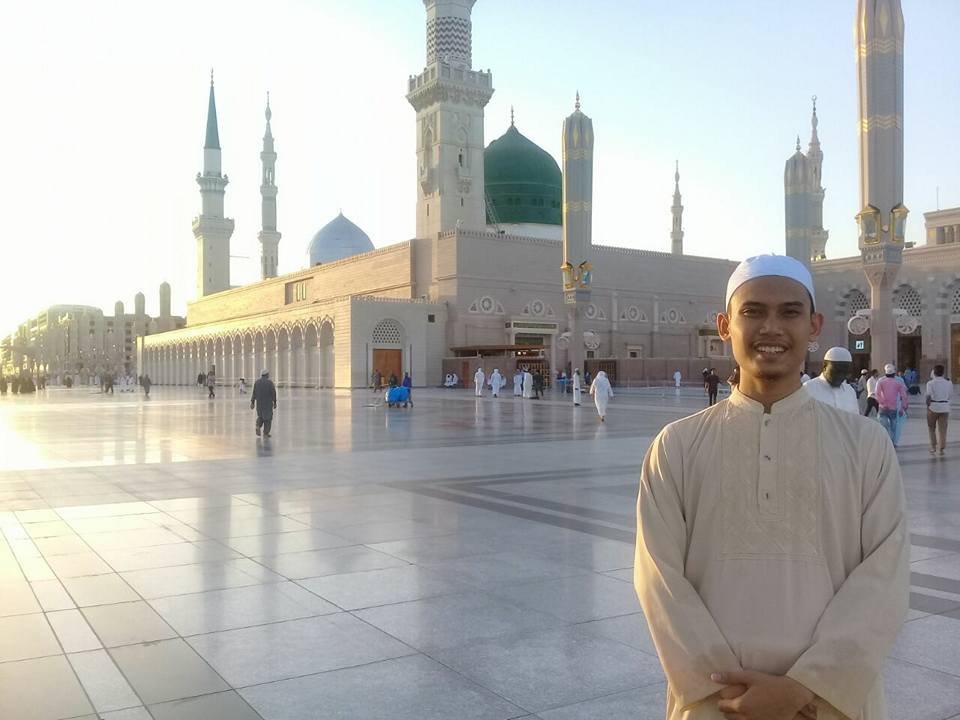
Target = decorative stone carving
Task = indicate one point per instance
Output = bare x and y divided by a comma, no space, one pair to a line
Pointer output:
486,305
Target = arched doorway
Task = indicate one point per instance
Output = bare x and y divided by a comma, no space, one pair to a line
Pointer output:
954,300
859,345
296,360
909,344
386,349
311,371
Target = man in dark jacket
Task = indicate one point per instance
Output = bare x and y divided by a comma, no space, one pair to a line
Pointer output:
264,397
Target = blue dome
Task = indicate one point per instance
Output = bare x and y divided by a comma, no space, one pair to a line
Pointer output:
338,239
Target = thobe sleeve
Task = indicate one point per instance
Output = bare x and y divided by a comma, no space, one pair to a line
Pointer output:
861,622
688,641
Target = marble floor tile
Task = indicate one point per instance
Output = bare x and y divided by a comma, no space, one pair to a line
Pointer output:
408,688
127,623
631,630
98,590
136,713
183,553
279,651
16,598
80,565
451,620
219,706
286,542
62,545
486,571
26,636
187,579
105,685
41,689
73,632
648,703
315,563
240,607
355,590
166,670
552,668
574,599
51,595
918,693
932,642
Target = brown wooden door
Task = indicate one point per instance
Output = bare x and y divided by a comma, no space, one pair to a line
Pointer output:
955,352
388,362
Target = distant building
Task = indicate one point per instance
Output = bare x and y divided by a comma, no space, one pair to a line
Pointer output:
82,340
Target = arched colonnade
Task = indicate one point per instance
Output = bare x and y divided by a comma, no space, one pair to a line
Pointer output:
296,354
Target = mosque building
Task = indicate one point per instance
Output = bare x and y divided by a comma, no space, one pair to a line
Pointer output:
480,283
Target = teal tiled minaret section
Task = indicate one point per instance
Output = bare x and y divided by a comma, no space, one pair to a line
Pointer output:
211,229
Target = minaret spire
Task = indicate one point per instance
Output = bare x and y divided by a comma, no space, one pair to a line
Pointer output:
268,235
211,229
676,234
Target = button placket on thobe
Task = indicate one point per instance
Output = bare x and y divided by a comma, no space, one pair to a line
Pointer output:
768,500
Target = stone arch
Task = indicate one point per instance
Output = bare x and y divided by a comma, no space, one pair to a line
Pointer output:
326,354
853,300
297,362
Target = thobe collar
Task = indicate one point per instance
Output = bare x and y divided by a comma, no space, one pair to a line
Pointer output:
789,404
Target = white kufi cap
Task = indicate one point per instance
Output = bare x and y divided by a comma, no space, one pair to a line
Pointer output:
838,354
766,266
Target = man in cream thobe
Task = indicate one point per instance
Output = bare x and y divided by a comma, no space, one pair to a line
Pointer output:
577,387
772,545
517,383
478,378
527,384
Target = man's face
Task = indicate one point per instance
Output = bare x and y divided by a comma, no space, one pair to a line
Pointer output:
836,372
769,325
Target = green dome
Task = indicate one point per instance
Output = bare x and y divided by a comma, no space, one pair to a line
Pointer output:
522,181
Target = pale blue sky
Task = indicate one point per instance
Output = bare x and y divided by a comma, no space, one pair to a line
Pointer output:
105,105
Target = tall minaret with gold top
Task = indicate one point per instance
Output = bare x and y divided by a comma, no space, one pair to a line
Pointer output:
577,271
879,33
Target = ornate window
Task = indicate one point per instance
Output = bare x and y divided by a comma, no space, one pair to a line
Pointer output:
907,298
856,300
955,305
387,332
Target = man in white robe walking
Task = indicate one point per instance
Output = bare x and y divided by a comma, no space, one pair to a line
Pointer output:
496,382
478,378
527,383
772,558
517,383
577,383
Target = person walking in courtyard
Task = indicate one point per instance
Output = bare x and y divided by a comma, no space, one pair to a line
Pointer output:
602,392
939,391
892,401
376,380
518,383
677,378
211,383
147,383
772,557
527,383
538,385
264,398
478,379
496,382
831,386
872,403
408,384
242,386
577,383
713,386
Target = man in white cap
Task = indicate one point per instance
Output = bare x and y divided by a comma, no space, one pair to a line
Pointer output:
831,386
892,400
772,558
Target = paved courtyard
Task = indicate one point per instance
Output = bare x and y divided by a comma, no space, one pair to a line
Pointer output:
462,559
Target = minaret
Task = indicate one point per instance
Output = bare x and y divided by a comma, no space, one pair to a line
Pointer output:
676,234
818,236
577,271
449,98
211,229
165,299
797,205
268,235
882,219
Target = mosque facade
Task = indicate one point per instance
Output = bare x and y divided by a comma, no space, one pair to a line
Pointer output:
480,283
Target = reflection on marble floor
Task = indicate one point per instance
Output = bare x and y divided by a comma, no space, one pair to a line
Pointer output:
459,559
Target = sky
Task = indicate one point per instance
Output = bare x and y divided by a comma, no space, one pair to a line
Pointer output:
104,112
